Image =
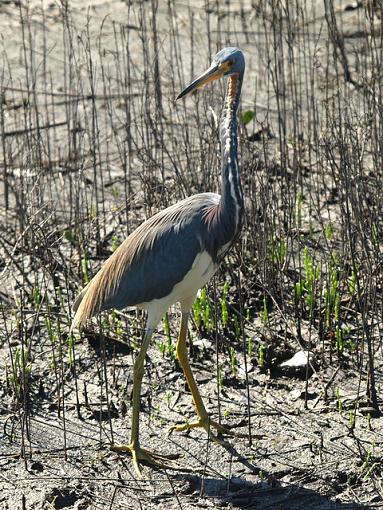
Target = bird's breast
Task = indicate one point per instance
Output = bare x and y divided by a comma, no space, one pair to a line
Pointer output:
200,273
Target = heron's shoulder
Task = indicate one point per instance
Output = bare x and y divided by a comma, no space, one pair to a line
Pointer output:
176,218
205,198
182,220
195,204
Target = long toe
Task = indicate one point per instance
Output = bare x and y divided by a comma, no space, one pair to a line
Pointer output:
143,455
185,426
208,425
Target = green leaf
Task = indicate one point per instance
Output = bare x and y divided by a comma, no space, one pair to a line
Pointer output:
69,236
247,117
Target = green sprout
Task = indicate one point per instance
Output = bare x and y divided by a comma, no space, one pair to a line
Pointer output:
203,311
329,232
71,349
219,376
351,419
115,243
368,466
265,313
84,266
250,347
232,360
261,355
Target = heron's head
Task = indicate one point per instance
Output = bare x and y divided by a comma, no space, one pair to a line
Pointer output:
226,62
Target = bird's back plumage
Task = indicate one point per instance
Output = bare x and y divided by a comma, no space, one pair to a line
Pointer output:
152,260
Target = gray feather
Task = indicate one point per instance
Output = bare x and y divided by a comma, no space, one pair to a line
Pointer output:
153,259
167,255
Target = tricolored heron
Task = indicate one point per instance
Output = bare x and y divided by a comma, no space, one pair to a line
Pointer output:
172,255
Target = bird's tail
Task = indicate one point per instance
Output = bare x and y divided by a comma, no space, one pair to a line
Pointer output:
79,308
99,293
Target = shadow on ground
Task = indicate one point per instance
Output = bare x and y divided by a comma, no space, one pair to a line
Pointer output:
240,493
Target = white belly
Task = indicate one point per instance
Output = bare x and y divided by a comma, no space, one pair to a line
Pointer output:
200,273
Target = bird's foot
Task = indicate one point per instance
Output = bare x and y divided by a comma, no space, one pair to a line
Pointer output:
207,424
148,457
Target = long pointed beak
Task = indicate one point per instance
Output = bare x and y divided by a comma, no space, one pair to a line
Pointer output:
213,73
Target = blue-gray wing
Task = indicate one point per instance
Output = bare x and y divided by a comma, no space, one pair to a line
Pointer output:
149,263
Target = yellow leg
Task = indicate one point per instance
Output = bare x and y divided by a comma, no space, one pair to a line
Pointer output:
204,421
138,453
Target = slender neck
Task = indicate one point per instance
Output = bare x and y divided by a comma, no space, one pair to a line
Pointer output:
229,120
232,205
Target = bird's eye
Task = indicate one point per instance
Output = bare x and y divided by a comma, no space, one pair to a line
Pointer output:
227,65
